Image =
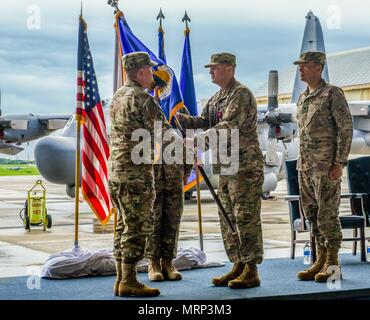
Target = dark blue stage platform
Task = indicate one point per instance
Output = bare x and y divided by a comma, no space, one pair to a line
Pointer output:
278,281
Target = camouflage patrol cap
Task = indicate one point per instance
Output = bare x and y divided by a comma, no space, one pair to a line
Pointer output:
136,59
222,58
317,57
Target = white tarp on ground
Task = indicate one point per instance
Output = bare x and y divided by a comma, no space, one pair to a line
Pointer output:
79,263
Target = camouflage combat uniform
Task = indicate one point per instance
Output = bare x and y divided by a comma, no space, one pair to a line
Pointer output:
132,186
240,194
325,132
168,209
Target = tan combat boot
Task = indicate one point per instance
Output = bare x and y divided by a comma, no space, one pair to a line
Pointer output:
155,270
235,272
118,277
169,271
310,273
129,286
332,262
248,278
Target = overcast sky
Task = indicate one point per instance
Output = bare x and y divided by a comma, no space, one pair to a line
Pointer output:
38,65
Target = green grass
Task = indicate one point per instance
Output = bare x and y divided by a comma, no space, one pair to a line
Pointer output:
18,170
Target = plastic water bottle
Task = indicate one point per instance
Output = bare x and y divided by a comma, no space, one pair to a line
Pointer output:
307,254
368,252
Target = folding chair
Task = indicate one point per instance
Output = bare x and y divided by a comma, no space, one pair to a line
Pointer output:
298,223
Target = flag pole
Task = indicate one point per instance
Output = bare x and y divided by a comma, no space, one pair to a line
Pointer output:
77,166
209,184
186,19
77,176
199,203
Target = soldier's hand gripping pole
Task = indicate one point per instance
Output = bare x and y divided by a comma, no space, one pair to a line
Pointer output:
209,184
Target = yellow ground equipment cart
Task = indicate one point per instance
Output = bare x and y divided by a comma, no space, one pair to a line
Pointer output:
35,213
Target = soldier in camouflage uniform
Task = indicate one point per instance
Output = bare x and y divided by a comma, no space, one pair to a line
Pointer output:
132,185
325,132
234,107
168,208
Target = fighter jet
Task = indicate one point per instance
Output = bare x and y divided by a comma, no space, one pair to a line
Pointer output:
17,129
277,130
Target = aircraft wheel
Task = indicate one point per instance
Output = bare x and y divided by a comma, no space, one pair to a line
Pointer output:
26,223
50,220
188,195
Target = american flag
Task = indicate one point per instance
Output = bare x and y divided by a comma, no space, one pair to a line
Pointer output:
95,149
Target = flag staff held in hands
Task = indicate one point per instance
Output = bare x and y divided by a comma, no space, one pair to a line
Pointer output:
173,102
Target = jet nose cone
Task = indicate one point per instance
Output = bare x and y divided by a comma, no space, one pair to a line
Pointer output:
55,159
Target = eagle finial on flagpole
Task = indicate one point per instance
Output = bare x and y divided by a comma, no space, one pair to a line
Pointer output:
160,17
114,4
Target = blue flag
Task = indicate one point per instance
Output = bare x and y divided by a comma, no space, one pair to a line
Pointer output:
187,79
170,95
188,93
161,53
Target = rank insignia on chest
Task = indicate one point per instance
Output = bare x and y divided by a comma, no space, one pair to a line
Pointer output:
219,115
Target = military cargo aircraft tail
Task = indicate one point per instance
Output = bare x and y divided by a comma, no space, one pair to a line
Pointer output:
313,40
